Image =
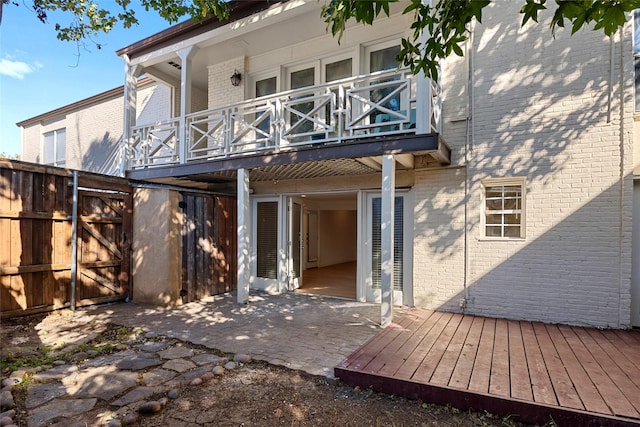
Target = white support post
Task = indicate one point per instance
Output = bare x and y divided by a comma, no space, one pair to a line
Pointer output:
388,209
244,223
185,55
130,100
423,93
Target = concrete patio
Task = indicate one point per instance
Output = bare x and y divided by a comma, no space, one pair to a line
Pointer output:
310,333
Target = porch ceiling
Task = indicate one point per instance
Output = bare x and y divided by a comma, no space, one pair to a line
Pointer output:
345,159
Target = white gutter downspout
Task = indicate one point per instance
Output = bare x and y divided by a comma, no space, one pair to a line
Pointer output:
622,169
469,141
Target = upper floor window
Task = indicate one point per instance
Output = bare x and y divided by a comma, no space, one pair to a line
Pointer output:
54,148
504,207
384,59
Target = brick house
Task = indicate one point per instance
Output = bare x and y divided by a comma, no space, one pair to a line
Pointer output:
87,135
505,189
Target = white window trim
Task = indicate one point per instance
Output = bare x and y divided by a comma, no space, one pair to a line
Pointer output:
373,47
511,181
359,55
55,133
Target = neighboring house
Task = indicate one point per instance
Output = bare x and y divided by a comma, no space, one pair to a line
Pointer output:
506,189
87,135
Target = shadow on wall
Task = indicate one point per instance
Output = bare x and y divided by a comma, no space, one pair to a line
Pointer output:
156,252
99,152
574,273
546,120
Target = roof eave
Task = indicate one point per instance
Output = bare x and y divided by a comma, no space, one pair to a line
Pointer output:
184,30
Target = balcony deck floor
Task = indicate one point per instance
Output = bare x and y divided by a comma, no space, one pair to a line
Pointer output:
532,371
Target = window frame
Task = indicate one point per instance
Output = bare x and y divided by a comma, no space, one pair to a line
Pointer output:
61,163
504,182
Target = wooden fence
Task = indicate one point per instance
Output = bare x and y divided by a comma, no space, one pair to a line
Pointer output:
36,217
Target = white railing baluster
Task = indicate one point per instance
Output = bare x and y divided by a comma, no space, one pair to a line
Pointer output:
382,103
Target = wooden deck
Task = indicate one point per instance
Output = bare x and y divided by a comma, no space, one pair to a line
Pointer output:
532,371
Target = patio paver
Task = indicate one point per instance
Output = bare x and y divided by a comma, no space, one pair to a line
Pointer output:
306,332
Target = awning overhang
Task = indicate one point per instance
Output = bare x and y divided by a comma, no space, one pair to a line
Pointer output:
344,159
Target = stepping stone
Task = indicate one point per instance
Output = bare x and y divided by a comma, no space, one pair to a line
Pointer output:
6,400
59,409
186,378
208,359
138,362
153,347
157,377
104,382
39,394
176,353
136,395
179,365
56,373
109,359
242,358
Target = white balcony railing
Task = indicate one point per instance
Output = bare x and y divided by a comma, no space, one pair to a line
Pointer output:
378,104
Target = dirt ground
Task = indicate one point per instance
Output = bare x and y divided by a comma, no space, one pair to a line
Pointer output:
257,394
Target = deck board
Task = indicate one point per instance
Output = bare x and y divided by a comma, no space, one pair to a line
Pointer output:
565,391
464,368
531,370
389,352
481,375
432,359
444,370
607,390
538,374
500,383
587,392
413,362
518,369
403,353
618,378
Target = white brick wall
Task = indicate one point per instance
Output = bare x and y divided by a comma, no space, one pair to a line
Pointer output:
92,131
539,111
438,270
221,91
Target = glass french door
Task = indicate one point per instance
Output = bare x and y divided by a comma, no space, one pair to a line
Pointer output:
402,243
266,243
277,244
294,243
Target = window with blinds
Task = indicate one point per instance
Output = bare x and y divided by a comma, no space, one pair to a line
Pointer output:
376,243
267,240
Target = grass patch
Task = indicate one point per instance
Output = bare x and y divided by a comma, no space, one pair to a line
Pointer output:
107,342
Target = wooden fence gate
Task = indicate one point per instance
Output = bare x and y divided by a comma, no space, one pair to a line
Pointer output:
36,216
208,245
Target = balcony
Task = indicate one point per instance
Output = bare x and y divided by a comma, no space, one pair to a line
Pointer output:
376,105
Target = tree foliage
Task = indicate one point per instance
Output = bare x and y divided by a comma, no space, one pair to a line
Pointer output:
90,18
438,30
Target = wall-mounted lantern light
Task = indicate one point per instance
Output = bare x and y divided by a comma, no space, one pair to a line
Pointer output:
236,78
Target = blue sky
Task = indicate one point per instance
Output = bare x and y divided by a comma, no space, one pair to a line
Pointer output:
39,73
